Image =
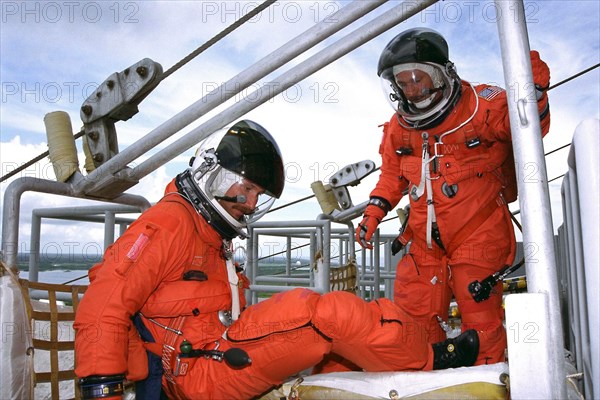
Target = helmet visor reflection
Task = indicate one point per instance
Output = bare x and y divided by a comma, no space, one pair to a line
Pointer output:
230,187
419,83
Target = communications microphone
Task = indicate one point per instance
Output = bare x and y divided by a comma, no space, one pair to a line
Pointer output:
240,198
431,91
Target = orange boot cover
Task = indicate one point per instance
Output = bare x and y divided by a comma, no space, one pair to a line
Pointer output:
485,317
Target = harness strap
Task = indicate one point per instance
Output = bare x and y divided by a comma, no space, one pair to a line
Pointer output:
467,230
420,189
233,284
431,218
426,187
478,219
165,350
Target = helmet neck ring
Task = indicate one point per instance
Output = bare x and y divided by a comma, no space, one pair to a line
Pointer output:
189,190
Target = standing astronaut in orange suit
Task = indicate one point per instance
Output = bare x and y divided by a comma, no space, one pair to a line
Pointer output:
166,305
448,147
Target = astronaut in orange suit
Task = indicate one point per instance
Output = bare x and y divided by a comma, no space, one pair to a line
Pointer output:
448,147
166,305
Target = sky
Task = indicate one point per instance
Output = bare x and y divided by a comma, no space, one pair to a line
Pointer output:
53,55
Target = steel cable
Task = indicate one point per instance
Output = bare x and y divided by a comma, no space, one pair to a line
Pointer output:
167,73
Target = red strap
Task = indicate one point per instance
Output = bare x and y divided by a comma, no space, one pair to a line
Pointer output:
467,230
155,348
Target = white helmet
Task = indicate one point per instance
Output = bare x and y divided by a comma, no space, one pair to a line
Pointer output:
245,151
419,55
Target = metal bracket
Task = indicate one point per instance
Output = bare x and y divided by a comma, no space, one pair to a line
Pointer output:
350,175
116,99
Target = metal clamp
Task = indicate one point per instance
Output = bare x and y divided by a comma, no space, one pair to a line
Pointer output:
350,175
116,99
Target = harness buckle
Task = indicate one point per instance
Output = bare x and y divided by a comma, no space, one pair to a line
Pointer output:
436,152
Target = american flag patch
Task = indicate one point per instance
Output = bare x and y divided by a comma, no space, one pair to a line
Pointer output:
490,92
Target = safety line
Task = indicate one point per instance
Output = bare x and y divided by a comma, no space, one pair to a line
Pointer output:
34,160
217,37
291,204
575,76
557,149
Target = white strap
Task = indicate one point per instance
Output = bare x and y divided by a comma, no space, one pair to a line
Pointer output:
425,186
235,293
424,168
430,209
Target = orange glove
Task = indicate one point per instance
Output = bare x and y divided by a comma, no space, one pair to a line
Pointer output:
541,78
367,227
540,70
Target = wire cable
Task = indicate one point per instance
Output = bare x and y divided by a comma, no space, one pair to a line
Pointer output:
167,73
217,37
574,76
34,160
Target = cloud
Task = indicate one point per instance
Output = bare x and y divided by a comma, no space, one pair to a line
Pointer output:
323,123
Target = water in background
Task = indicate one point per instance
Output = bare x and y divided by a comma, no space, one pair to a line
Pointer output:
59,268
72,268
60,276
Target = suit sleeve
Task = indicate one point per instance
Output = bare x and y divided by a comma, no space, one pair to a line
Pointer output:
541,79
132,268
497,117
391,184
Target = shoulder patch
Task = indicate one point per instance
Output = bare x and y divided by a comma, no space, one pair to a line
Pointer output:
489,92
135,250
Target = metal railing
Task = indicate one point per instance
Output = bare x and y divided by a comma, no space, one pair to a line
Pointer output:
526,376
579,266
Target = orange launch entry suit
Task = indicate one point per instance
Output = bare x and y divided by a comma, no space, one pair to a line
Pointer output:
473,165
141,273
